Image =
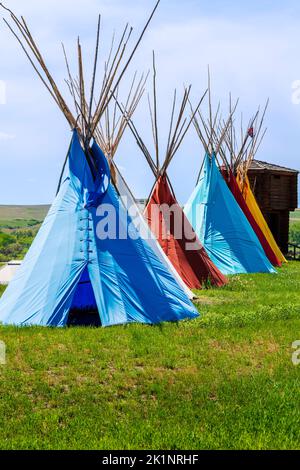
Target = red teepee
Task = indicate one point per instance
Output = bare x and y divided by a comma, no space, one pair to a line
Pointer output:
234,188
178,240
164,215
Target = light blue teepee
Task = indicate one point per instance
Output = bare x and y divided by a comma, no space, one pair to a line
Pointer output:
222,226
68,266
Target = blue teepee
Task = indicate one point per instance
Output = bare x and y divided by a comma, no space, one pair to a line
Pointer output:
70,267
222,226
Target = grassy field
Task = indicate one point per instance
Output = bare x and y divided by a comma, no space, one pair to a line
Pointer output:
15,243
295,215
294,235
12,213
18,223
225,381
18,227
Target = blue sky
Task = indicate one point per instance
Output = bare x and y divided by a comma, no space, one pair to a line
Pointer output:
252,49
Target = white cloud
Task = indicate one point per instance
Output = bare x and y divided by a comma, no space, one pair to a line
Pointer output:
5,136
254,56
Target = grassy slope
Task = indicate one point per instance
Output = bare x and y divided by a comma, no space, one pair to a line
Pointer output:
294,234
20,224
224,381
23,212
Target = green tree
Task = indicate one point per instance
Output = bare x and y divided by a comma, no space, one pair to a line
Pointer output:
295,232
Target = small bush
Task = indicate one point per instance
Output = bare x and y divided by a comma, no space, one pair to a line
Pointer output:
16,244
295,232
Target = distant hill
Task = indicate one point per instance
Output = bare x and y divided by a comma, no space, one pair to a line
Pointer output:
8,213
18,227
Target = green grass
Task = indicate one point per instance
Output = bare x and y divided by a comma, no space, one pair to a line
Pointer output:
9,213
15,244
18,227
18,223
294,233
295,216
225,381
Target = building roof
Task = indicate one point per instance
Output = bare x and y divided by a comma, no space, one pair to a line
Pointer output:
258,165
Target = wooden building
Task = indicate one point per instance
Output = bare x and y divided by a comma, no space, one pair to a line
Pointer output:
276,191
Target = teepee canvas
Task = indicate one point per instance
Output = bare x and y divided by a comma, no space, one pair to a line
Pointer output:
72,264
237,193
186,253
222,226
236,177
214,213
144,230
108,135
67,253
252,204
164,215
